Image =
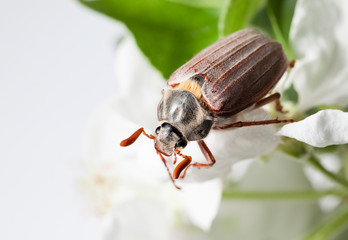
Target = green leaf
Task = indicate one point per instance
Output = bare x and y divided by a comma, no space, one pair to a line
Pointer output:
168,32
201,3
290,94
238,14
283,11
262,23
280,13
318,108
274,19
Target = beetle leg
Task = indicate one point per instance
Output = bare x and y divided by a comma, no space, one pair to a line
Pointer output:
175,158
170,175
274,97
292,64
279,106
208,156
255,123
134,137
181,166
266,100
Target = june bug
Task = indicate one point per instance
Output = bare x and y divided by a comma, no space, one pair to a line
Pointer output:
208,92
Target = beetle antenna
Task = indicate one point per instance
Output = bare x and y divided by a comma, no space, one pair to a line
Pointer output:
129,141
134,137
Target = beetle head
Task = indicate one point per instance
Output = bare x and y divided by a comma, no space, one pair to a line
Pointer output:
168,138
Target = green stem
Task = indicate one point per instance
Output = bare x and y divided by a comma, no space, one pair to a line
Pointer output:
314,162
329,227
281,195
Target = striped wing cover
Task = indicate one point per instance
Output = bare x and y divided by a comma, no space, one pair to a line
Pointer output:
238,70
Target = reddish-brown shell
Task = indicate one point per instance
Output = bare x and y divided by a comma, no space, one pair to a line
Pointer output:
238,70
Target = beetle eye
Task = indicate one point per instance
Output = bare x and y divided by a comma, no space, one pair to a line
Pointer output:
157,130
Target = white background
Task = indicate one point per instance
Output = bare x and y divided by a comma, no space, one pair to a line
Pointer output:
56,67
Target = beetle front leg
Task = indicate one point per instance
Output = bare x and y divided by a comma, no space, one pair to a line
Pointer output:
182,165
208,156
170,176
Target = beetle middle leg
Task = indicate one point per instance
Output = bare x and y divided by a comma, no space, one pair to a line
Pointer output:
208,156
275,97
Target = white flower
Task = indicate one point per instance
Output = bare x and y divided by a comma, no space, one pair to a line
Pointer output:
319,34
138,167
237,218
136,186
158,217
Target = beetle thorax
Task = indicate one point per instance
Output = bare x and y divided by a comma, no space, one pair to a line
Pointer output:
181,109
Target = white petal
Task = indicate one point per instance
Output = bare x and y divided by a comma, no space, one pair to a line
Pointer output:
327,127
138,219
107,130
139,85
230,146
245,142
201,201
319,38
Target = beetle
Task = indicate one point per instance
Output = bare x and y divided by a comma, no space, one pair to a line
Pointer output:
208,92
